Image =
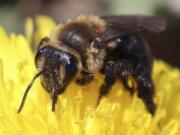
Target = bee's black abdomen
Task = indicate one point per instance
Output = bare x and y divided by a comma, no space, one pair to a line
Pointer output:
134,48
131,57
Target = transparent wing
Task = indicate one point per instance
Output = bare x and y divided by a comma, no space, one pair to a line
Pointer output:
136,23
117,26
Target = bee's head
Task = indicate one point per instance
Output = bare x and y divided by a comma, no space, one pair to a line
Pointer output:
60,68
56,69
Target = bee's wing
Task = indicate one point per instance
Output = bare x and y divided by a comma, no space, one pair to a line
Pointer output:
136,23
121,25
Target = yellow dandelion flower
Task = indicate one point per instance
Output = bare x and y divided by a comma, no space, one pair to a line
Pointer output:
76,112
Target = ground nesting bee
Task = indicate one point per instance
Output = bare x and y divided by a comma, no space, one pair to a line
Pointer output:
111,45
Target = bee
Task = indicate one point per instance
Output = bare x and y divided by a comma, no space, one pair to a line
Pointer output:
111,45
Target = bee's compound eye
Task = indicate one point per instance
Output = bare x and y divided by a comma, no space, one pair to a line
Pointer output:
71,68
43,52
40,53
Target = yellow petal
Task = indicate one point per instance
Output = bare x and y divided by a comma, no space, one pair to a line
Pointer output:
45,26
29,30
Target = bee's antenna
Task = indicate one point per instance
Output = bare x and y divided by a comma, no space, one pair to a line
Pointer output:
54,99
28,88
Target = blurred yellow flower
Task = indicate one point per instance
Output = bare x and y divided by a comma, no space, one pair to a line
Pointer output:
76,112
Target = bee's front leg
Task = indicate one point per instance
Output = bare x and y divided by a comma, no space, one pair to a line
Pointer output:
85,79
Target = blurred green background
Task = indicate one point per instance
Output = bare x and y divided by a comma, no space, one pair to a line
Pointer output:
165,45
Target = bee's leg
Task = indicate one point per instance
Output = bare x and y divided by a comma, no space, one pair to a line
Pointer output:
54,99
86,78
145,87
142,76
125,68
109,71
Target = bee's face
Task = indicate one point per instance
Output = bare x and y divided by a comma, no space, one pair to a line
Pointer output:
60,68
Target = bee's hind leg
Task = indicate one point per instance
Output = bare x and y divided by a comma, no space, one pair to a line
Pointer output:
145,87
109,70
124,68
113,69
142,76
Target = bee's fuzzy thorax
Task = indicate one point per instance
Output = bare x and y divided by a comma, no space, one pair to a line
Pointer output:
90,26
91,21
